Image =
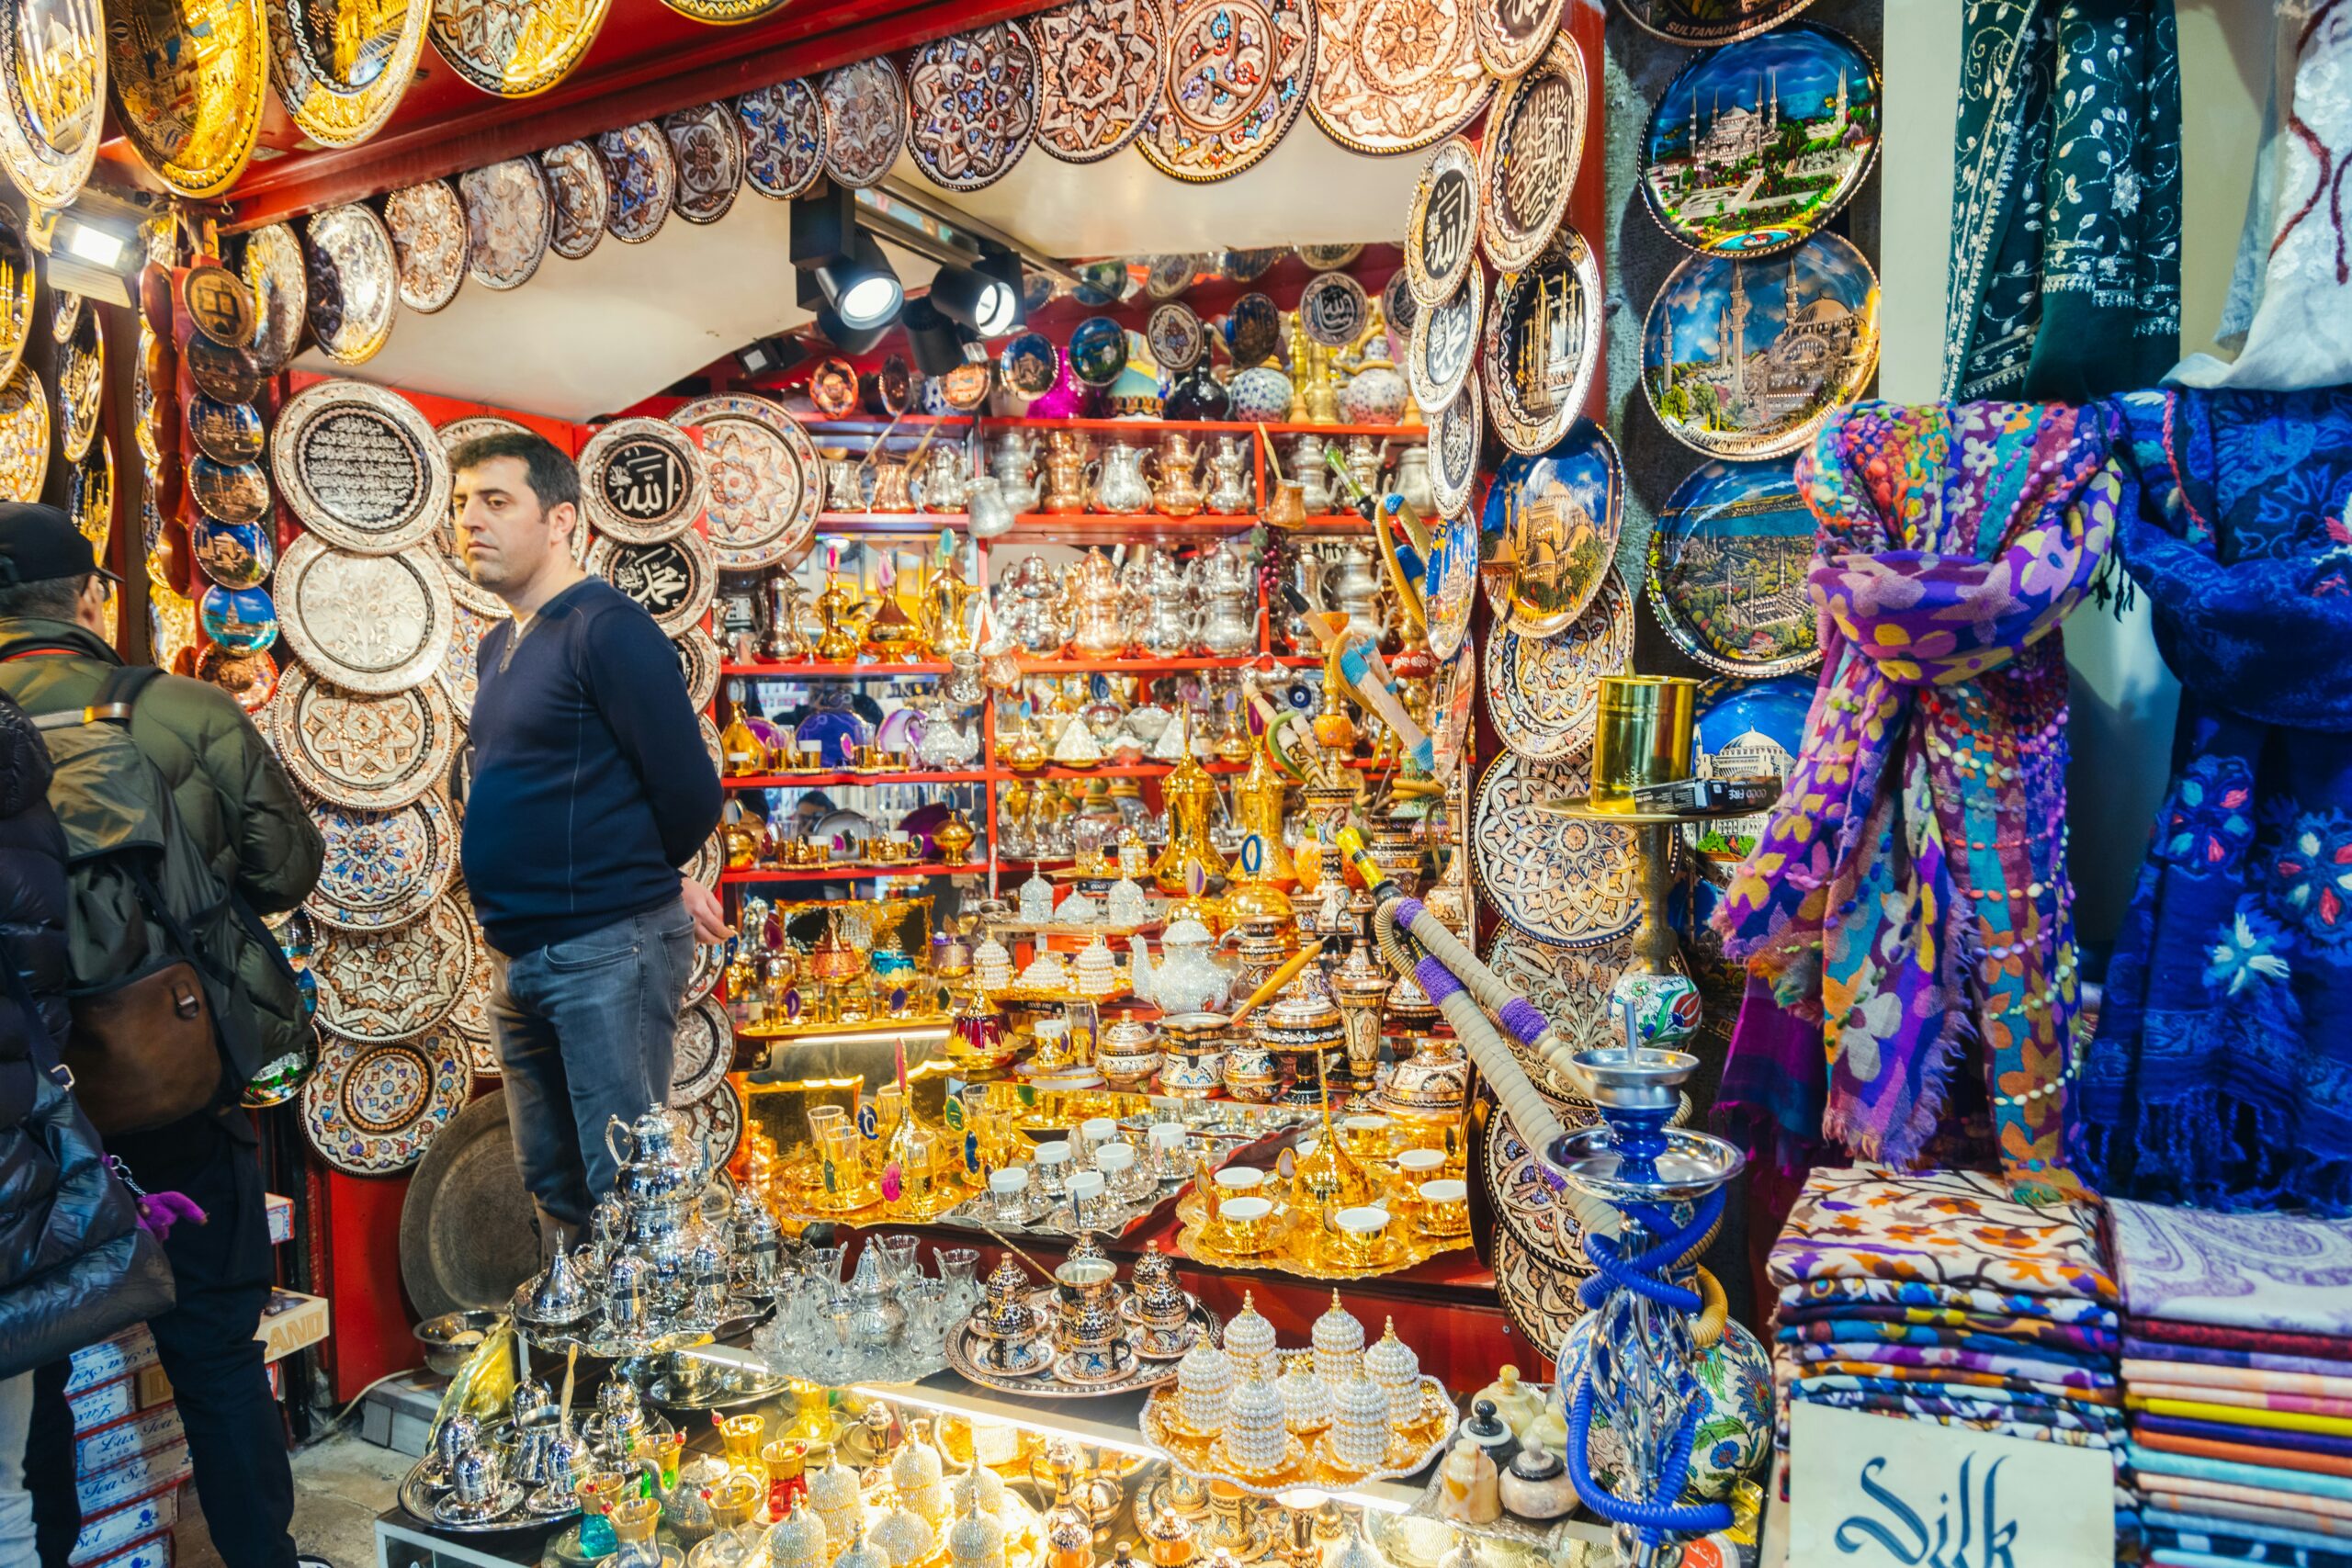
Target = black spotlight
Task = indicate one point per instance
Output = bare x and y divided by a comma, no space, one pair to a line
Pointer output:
938,348
1005,267
860,287
844,336
973,298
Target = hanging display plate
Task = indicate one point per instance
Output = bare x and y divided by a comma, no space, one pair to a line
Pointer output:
342,65
1803,339
1538,1296
1754,146
1563,881
1702,24
1029,365
228,374
1542,345
1098,351
234,555
701,1053
1452,583
24,435
188,80
832,387
865,121
19,282
716,1123
458,432
275,270
52,96
782,128
1527,162
250,678
1253,330
427,223
1395,75
354,282
1548,534
724,13
1570,987
375,753
470,1020
81,389
1332,310
235,492
1750,728
1544,693
1170,274
1176,338
972,104
761,485
1451,690
710,964
1729,562
1457,441
1400,309
1442,226
1098,75
459,671
699,660
374,624
241,620
1234,75
709,155
640,481
673,580
395,983
66,308
359,466
582,194
217,305
382,868
89,496
510,221
642,173
371,1110
226,433
1513,34
515,49
1444,348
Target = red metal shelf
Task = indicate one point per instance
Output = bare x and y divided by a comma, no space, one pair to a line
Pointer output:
846,872
814,670
814,781
1165,666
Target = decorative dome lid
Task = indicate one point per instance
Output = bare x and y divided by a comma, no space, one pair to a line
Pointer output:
1088,1248
976,1537
1255,1405
1359,1553
1185,933
1307,1399
1154,1266
862,1553
1303,1008
1360,1400
1248,1338
798,1537
904,1536
1006,1281
991,952
1390,1361
915,1467
835,1489
1204,1367
979,1490
1337,1333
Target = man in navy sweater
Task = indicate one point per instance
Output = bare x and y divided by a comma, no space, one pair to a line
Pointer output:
589,787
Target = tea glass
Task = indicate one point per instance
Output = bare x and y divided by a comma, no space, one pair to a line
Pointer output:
823,1266
900,1265
956,1266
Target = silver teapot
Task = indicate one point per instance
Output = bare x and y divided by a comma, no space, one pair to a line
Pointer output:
1307,467
1229,478
1014,465
1122,487
1229,627
945,481
989,506
1356,587
1171,609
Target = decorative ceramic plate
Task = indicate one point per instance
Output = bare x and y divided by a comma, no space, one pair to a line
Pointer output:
1527,162
234,555
235,492
1563,881
1549,531
18,283
1542,344
1539,1297
1544,693
709,155
459,674
1400,309
1170,274
1513,34
1750,728
89,496
1720,173
394,984
53,93
865,121
1451,586
642,172
226,433
1176,338
1457,441
250,678
354,282
228,374
1098,351
783,132
470,1020
190,79
716,1121
371,1110
1029,365
1253,330
709,862
582,194
763,488
515,49
342,65
1393,75
1098,75
375,624
81,389
1445,349
360,467
640,481
972,104
24,435
674,580
1442,226
711,743
698,661
1703,23
723,12
510,221
427,223
1451,689
1803,339
383,868
1569,986
1234,76
275,272
710,962
702,1050
374,753
1333,311
1729,562
241,620
217,304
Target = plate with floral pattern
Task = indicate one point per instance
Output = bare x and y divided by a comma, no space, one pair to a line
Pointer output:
394,984
24,435
275,270
1176,338
354,282
701,1053
189,82
50,147
698,659
709,155
373,1108
470,1020
510,221
641,171
360,467
459,671
582,194
383,868
377,753
427,223
972,104
1729,562
1562,880
342,65
19,281
782,128
762,488
1528,159
1513,34
674,580
1542,345
716,1123
1395,75
1234,76
368,622
1098,75
81,389
515,49
1544,693
865,121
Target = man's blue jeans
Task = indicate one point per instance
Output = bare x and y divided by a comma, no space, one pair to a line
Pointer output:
585,1033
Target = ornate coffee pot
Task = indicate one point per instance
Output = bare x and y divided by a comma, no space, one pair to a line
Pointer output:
1229,481
1068,472
1122,487
946,480
1028,606
1306,469
1229,601
1178,492
1014,465
1090,590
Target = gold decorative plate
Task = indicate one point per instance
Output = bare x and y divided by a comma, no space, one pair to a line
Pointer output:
427,223
360,468
64,313
1442,226
724,13
1527,162
89,496
375,624
765,488
1513,34
1234,76
342,65
24,435
190,79
865,121
274,270
354,282
18,283
377,753
515,49
1393,75
1564,882
81,389
52,96
397,984
1544,693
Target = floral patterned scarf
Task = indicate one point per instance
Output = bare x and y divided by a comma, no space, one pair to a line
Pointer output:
1910,889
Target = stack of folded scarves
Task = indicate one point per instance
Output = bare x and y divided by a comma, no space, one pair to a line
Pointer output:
2237,1374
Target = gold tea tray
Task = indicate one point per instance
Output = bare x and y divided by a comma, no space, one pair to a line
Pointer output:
1296,1245
1036,995
1147,1373
1412,1447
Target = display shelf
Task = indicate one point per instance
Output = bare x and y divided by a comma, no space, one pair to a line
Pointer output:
815,670
816,781
1168,666
907,525
845,873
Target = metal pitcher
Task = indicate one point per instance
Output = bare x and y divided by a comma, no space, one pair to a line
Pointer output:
1122,487
946,482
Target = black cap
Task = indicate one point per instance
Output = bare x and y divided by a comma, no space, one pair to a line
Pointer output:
40,543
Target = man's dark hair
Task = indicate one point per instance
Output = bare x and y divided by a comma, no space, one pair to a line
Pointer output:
553,478
51,599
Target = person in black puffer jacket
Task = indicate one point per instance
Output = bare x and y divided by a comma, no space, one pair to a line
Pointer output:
75,1265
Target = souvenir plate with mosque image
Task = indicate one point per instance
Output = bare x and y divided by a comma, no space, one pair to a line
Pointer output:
1754,147
1746,358
1549,531
1704,22
1728,563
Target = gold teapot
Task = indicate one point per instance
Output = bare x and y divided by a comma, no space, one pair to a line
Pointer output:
841,615
1068,472
1176,491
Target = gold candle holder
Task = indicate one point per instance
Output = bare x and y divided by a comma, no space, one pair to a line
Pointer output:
1643,736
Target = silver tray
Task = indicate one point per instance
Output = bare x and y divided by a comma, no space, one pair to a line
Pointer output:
1147,1373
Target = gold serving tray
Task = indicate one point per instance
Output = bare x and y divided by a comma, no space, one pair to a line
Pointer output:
1306,1463
1297,1244
1031,996
1147,1373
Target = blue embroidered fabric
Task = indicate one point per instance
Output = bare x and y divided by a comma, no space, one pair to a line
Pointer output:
2221,1076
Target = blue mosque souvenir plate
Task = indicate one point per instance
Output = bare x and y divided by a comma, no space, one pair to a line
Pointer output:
1029,366
1754,147
1253,331
1098,351
1100,283
1748,358
1700,23
243,620
1450,586
234,555
1754,727
1728,564
235,492
1549,531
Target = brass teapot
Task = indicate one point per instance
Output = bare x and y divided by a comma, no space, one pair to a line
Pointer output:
1177,490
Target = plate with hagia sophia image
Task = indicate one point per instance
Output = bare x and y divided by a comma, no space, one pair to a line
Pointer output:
1754,146
1746,358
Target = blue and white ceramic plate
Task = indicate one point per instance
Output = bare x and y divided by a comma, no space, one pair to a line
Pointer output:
383,868
783,131
1729,567
641,169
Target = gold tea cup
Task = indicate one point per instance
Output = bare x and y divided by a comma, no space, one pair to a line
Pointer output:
1444,1207
1368,1137
1248,1223
1357,1237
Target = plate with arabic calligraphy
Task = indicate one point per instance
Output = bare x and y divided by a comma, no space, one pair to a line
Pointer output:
235,492
275,270
709,155
354,282
1234,76
1457,441
1098,79
360,467
375,752
374,624
24,435
641,171
673,580
972,104
1803,330
1444,347
641,481
1393,75
1542,344
342,65
1549,531
395,983
234,555
582,194
19,283
190,79
1442,226
1333,310
698,659
1544,693
865,121
1513,34
1704,23
515,49
382,868
81,389
1562,880
510,221
782,128
1527,162
427,223
1452,583
52,96
372,1110
89,496
1728,565
1400,309
763,487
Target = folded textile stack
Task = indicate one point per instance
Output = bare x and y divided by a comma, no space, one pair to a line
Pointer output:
2237,1375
